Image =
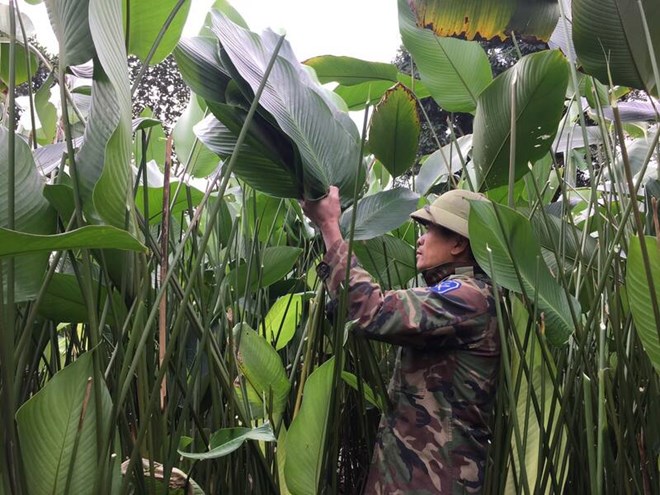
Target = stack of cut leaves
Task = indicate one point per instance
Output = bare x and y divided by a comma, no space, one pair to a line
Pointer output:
300,140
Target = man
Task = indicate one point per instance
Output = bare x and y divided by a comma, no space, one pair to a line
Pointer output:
434,439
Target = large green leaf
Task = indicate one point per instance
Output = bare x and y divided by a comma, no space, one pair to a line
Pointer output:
32,215
388,259
305,440
14,243
325,136
46,112
199,63
640,295
63,301
476,19
70,22
454,71
104,159
394,130
274,264
380,213
518,264
227,440
540,85
262,172
22,55
262,368
610,41
350,71
5,22
146,19
57,431
283,318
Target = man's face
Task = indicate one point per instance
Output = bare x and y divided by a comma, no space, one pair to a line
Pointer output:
434,248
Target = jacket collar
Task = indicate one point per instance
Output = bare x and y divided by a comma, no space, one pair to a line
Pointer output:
434,275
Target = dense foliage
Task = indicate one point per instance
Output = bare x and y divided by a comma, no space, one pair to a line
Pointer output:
162,327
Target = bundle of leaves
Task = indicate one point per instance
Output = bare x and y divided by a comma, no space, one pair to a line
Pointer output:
299,141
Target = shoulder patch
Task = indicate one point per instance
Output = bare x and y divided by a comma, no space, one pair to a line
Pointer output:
446,286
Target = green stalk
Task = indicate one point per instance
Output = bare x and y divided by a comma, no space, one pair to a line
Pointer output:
14,467
600,472
588,414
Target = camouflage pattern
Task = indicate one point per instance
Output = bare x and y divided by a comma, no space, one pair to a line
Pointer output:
435,437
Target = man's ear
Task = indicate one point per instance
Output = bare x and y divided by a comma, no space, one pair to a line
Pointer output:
460,245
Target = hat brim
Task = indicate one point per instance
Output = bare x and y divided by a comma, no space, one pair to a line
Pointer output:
443,218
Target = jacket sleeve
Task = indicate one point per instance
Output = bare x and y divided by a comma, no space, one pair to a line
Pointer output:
454,312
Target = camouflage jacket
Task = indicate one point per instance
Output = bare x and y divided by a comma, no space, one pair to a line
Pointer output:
434,438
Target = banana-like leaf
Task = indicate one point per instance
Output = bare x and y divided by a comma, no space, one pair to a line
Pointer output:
57,431
22,55
350,71
283,318
380,213
540,85
305,440
388,259
640,295
70,22
518,265
88,237
454,71
475,19
63,301
352,381
275,263
104,159
227,440
442,162
262,368
146,19
325,136
32,215
262,172
394,130
199,63
610,40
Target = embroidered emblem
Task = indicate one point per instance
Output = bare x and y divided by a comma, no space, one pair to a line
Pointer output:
446,286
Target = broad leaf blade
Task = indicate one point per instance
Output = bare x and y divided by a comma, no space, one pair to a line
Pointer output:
325,136
275,263
390,260
540,85
70,22
380,213
262,367
48,429
610,40
454,71
394,130
350,71
31,215
518,264
476,19
305,440
227,440
639,295
146,19
283,318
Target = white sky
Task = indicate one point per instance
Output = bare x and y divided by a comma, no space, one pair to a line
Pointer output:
366,29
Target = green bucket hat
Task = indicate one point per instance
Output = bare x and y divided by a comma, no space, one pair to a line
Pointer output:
450,210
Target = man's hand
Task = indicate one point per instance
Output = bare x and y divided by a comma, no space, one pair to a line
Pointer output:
325,214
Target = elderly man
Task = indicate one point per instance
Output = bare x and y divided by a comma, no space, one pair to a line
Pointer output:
435,437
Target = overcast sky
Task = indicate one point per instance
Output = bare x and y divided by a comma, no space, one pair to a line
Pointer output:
366,29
